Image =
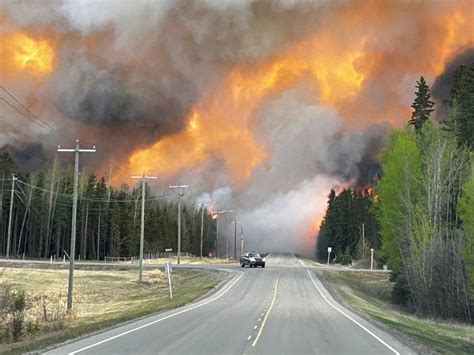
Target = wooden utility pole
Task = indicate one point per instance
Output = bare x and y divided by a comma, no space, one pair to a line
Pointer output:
72,252
10,217
142,227
180,195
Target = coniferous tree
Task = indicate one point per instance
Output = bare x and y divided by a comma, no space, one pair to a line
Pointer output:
422,106
461,106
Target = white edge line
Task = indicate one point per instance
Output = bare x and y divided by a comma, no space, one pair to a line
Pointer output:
158,320
349,317
300,261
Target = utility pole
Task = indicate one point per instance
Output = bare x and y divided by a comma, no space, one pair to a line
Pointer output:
142,227
98,236
180,194
241,239
72,251
10,217
363,241
217,225
202,226
235,238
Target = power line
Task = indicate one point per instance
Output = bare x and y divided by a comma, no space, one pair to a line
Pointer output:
162,197
30,114
26,153
17,130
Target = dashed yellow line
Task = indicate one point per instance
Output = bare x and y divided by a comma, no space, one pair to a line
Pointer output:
275,284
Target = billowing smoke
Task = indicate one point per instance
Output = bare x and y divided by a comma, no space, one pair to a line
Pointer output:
283,202
442,86
261,106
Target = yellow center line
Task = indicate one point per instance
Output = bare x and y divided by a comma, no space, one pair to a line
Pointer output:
275,284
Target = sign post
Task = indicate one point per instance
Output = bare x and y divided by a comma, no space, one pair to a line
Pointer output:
371,258
168,269
169,250
329,254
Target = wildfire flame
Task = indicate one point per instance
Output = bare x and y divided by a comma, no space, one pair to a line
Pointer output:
221,123
20,52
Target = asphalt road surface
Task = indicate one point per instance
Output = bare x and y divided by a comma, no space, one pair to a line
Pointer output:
282,309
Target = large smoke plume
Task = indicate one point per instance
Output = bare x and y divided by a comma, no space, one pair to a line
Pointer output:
128,74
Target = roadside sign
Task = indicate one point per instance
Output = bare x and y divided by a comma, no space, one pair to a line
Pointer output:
329,249
168,271
168,249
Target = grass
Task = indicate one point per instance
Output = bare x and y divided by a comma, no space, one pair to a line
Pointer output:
369,294
101,299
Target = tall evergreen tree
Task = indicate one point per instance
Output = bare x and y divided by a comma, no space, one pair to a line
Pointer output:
461,106
422,106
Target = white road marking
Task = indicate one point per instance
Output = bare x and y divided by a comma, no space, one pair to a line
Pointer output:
275,285
350,318
159,320
300,261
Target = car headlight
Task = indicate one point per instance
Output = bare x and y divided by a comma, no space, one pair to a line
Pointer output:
264,260
252,259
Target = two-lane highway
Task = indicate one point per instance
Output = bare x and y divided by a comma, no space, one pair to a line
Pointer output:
282,309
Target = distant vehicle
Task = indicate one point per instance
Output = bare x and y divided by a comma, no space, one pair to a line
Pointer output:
252,259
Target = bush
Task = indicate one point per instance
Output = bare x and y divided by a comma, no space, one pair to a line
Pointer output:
401,290
17,312
346,258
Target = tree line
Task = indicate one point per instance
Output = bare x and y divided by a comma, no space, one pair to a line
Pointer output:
422,209
350,226
108,219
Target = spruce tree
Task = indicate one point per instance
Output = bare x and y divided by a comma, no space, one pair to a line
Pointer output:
422,105
461,106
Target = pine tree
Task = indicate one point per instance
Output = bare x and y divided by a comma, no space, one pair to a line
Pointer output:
461,106
422,105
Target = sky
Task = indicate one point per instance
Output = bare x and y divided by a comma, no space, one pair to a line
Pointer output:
260,106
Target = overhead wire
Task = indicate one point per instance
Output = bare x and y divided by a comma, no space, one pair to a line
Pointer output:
162,197
30,114
26,153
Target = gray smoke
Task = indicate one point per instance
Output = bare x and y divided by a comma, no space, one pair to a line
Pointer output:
128,73
310,153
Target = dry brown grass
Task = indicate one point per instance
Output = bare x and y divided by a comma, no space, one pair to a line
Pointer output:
101,298
369,293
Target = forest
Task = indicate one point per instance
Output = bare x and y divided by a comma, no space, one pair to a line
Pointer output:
108,218
419,214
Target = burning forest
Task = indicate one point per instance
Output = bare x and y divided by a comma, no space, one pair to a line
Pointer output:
261,107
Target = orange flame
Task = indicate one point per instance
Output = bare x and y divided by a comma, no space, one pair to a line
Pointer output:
221,124
20,52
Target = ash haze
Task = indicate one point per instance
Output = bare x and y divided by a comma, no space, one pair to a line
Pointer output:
260,106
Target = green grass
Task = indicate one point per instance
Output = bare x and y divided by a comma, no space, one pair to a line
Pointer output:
101,299
369,294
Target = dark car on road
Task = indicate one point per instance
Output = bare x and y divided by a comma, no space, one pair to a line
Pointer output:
252,259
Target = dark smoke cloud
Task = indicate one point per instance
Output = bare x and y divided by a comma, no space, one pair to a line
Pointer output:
139,66
354,156
128,73
29,156
442,86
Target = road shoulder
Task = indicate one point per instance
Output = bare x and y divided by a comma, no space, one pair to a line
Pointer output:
407,328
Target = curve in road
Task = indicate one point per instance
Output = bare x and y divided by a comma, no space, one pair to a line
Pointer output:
282,309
